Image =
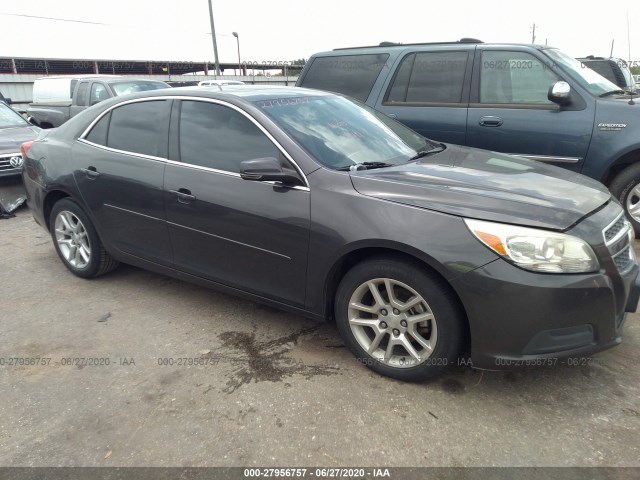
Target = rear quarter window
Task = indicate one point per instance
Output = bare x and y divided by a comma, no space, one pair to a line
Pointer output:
352,75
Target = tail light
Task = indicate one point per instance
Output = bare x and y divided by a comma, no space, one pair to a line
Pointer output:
24,148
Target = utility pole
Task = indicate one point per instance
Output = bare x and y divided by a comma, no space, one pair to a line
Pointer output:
533,34
213,38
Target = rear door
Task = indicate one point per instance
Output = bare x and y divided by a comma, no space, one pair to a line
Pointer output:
429,92
509,111
250,235
119,169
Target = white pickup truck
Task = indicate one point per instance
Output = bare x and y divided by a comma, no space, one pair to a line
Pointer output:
57,99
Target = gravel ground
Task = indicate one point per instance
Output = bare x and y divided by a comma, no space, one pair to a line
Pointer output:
276,390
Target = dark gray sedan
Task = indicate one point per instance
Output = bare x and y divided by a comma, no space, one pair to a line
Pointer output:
14,131
312,203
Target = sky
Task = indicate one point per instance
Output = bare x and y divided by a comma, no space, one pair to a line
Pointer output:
285,30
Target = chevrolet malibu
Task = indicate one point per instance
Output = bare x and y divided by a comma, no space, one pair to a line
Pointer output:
307,201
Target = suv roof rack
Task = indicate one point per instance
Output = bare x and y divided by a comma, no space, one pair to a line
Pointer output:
396,44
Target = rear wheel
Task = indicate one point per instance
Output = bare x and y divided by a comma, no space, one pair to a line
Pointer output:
77,242
398,319
626,188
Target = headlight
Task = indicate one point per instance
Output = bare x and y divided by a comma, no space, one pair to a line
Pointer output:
536,250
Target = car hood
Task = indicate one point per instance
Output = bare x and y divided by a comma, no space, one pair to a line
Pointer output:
487,185
12,138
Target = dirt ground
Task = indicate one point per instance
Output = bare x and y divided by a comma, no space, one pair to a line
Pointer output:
177,375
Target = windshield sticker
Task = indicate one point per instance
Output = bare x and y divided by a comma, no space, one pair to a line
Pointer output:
282,102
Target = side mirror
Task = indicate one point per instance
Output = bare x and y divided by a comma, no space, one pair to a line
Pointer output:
7,101
32,121
560,93
268,169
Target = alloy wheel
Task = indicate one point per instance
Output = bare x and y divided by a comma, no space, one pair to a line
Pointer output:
392,323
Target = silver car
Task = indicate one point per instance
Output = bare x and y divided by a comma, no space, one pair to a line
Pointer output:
14,130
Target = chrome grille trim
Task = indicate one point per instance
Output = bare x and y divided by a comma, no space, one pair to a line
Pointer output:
616,238
4,161
615,230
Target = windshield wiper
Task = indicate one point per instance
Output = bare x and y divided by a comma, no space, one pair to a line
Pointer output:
365,166
424,153
612,92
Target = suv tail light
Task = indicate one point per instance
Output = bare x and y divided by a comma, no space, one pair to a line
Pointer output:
24,148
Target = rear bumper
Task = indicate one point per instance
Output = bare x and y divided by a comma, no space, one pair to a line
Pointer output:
35,199
523,318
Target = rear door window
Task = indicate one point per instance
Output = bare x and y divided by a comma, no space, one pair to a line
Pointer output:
352,75
429,77
140,127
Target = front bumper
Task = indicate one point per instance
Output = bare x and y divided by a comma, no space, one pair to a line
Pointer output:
518,317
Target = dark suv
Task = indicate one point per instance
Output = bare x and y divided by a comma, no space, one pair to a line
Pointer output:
529,100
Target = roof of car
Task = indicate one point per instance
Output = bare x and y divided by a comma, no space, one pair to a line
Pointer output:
250,93
386,46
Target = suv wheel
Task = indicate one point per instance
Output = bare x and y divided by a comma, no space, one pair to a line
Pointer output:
77,242
626,188
398,320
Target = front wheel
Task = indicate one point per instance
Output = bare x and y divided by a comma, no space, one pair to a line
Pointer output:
398,319
626,188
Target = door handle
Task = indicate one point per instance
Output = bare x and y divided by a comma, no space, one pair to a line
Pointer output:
392,115
490,121
90,172
184,195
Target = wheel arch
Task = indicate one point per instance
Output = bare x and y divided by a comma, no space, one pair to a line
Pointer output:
366,251
50,199
621,163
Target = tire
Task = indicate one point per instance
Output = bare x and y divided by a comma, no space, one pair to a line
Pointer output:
626,188
428,319
76,241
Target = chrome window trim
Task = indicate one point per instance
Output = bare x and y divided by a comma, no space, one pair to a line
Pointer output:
197,99
187,165
124,152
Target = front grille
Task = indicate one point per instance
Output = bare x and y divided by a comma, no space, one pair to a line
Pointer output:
5,161
611,232
618,240
623,259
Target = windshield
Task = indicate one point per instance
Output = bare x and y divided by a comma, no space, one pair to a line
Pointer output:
122,88
631,84
592,81
10,118
339,132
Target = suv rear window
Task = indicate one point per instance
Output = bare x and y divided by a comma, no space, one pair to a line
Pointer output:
352,75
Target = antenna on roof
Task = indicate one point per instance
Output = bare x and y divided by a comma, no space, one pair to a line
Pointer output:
631,102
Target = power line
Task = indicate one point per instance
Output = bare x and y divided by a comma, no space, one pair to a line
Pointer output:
57,19
70,20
